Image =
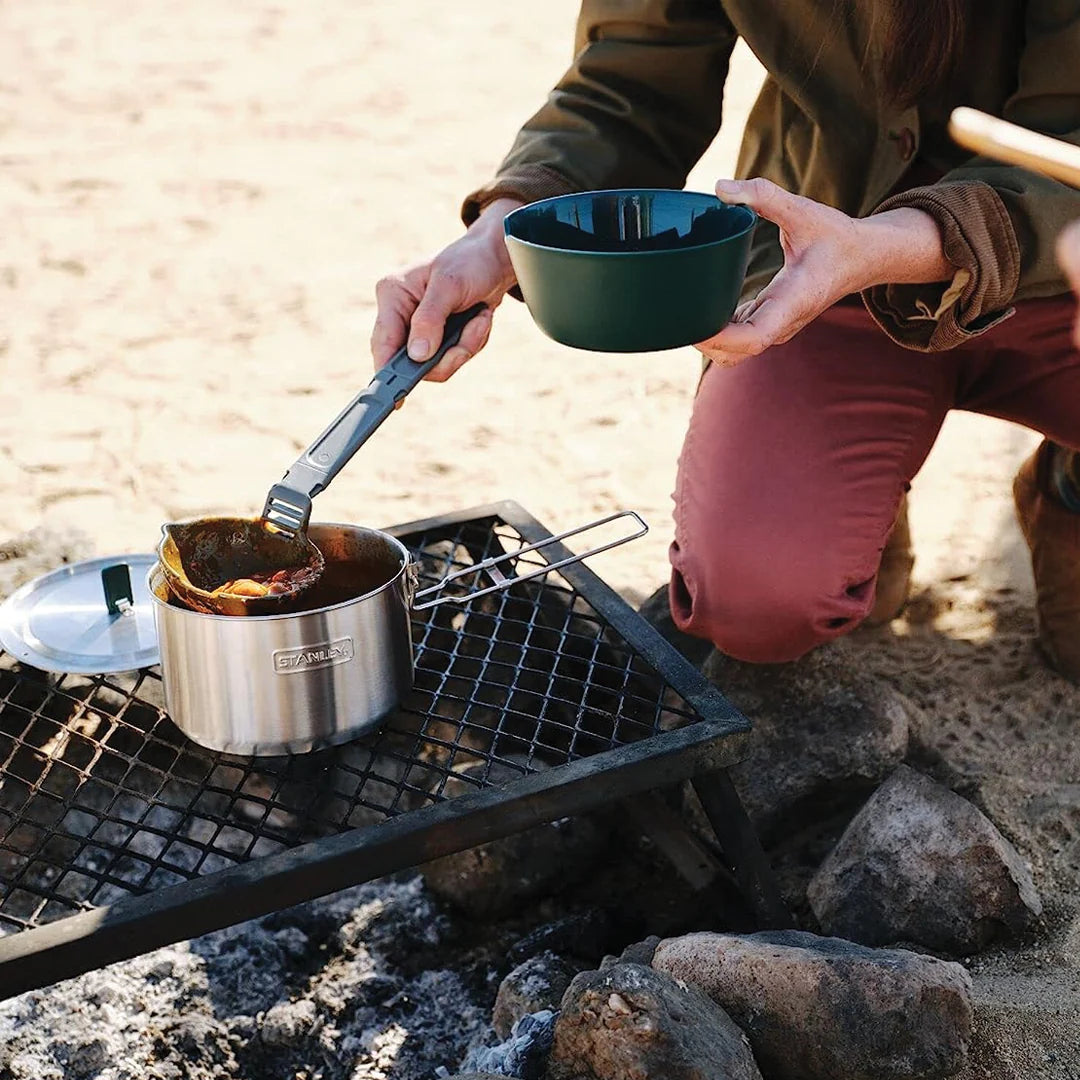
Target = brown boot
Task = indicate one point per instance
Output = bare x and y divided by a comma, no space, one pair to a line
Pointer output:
1053,535
894,573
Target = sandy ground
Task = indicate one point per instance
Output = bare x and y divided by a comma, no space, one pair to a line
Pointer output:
196,207
196,201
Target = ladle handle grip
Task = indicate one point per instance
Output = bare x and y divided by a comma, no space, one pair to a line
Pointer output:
331,451
999,139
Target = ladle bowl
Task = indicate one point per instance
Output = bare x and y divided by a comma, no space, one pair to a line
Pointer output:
199,556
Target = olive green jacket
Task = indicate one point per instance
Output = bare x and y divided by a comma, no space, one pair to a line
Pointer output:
642,101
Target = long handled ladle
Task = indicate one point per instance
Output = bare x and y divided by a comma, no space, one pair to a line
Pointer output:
1015,145
210,563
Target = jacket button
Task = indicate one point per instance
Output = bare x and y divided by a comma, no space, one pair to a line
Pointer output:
905,143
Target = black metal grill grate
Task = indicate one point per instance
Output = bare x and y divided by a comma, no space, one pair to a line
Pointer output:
101,796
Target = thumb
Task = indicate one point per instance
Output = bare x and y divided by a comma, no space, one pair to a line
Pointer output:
762,196
440,300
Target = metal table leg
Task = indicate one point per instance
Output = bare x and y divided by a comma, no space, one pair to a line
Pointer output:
740,844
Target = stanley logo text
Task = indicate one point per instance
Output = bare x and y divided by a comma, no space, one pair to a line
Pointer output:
309,657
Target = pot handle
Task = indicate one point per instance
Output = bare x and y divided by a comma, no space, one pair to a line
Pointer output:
505,582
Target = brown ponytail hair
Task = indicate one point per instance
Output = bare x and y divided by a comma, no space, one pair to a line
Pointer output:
922,42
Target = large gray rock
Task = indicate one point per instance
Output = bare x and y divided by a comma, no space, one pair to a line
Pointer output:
919,863
640,952
532,987
494,879
820,1008
656,611
825,734
629,1022
586,934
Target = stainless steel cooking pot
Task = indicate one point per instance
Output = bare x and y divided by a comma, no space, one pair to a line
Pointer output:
290,682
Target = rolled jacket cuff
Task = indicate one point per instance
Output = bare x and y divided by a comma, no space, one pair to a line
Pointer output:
979,240
525,182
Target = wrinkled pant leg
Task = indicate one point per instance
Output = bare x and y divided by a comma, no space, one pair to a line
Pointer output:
789,481
1030,371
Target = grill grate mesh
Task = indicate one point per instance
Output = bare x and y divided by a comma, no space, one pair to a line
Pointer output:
102,797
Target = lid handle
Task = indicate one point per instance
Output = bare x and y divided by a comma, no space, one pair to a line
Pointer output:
119,597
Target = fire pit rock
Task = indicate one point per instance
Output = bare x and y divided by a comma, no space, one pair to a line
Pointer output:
656,611
629,1022
586,934
919,863
495,878
532,987
819,1008
825,735
639,952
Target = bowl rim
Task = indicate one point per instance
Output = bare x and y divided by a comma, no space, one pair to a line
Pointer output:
507,235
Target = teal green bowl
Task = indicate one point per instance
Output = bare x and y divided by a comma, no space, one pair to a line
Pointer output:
630,270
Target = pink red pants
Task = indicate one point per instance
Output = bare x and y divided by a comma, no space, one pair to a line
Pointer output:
796,460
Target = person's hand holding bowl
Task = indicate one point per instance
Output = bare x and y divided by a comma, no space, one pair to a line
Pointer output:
827,256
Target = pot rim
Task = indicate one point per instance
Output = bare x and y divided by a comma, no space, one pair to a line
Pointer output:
406,562
511,221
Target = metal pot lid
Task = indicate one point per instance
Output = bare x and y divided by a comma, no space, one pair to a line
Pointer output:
89,618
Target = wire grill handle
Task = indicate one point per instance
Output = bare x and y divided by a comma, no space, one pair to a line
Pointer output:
497,560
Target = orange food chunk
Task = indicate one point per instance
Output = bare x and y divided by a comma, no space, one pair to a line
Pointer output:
242,587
